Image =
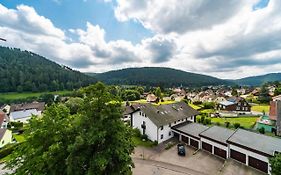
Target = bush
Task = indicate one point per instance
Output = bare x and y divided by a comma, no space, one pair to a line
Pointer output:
137,132
208,121
144,137
202,119
218,123
209,105
198,120
227,124
262,130
236,125
7,150
197,103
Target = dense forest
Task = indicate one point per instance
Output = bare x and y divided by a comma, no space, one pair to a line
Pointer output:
22,71
157,76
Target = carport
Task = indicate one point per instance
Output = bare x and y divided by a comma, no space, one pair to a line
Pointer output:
189,133
214,140
250,148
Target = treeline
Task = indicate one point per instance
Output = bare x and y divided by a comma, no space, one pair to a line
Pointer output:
23,71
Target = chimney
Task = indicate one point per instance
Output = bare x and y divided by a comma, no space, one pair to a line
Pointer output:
278,121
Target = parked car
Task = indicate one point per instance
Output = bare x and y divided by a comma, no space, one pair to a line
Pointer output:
181,149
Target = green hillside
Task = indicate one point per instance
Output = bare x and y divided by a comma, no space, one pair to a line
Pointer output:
157,76
259,80
23,71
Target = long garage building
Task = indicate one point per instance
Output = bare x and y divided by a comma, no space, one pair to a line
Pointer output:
253,149
249,148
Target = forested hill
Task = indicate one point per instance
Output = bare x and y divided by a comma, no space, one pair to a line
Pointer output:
25,71
157,76
259,80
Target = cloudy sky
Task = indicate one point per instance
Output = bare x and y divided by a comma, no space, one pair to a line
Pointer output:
227,39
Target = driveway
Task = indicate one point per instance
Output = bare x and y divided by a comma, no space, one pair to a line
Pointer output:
150,162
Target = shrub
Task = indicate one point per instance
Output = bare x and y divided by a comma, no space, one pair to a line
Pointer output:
198,120
208,121
7,150
144,137
218,123
209,105
236,125
202,119
262,130
137,132
227,124
197,103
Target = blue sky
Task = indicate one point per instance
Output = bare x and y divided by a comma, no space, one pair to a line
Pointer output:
67,14
226,39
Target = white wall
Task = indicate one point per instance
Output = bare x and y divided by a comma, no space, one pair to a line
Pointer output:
151,129
6,139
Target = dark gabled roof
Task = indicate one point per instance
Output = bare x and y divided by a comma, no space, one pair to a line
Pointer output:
254,141
164,114
26,106
128,110
218,134
191,129
2,132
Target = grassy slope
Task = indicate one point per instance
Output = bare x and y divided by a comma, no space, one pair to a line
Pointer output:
15,95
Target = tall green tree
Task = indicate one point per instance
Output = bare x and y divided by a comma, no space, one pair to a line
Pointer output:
158,92
47,139
276,164
94,141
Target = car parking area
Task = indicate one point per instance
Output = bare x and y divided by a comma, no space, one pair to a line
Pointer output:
195,162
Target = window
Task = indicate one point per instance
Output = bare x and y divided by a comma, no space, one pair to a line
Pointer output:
175,122
246,109
170,133
161,137
238,108
245,104
170,125
140,113
161,127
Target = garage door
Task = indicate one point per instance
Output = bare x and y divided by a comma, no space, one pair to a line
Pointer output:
258,164
207,147
238,156
184,139
220,152
194,143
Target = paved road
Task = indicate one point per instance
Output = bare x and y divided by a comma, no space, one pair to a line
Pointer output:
153,167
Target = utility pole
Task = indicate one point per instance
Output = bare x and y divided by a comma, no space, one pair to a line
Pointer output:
2,39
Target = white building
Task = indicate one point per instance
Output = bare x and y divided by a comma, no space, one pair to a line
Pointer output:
156,121
23,112
5,137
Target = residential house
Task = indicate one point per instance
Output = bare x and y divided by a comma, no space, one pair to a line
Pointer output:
3,119
152,98
219,99
23,112
5,109
5,137
249,148
234,104
156,121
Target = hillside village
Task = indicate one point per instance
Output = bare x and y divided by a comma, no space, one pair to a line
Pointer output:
228,122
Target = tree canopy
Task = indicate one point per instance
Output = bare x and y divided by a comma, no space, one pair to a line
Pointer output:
22,71
276,164
93,141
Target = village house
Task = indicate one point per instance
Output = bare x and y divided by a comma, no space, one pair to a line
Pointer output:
156,121
3,119
23,112
275,113
234,104
151,98
5,137
249,148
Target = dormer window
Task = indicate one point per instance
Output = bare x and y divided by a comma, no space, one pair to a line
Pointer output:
161,127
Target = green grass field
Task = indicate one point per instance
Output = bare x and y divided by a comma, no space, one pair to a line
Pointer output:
16,95
194,106
261,108
160,103
20,138
246,122
138,142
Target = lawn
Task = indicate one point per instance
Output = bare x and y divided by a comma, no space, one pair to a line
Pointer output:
160,103
16,95
138,142
19,137
246,122
261,108
194,106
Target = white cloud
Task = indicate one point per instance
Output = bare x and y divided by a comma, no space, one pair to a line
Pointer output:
222,38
